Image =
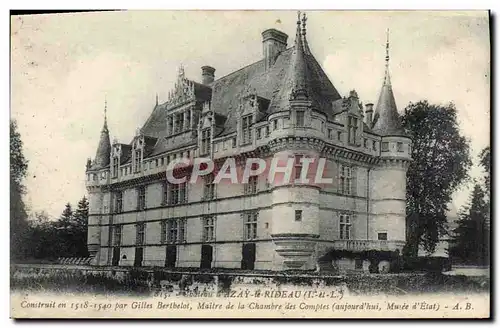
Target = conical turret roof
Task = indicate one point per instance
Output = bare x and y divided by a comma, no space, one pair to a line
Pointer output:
104,147
304,79
386,120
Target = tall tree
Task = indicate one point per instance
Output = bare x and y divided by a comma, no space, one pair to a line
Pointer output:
66,219
80,227
440,163
18,213
485,161
470,235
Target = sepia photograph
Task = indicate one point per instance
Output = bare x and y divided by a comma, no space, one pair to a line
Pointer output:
250,164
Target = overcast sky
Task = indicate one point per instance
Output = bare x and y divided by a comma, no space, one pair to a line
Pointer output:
63,66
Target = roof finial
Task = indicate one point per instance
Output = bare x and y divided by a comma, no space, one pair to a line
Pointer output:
304,20
298,23
157,99
387,47
105,127
387,78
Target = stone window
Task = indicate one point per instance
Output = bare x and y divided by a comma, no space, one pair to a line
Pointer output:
141,198
162,161
352,129
385,146
165,187
399,147
163,231
339,135
250,220
330,134
205,142
234,142
117,235
374,145
208,228
299,115
174,231
298,167
246,131
259,134
118,195
188,121
140,233
298,215
345,180
267,131
179,122
250,188
137,160
345,226
382,236
170,125
365,143
209,187
177,193
275,125
115,167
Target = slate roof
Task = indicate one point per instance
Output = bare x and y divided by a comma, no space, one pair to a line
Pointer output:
295,74
386,120
103,149
126,155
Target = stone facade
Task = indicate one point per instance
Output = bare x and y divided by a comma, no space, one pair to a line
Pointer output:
285,107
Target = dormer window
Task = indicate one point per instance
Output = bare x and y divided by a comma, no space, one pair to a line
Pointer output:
115,167
246,132
299,115
352,128
179,122
188,121
137,162
170,124
205,142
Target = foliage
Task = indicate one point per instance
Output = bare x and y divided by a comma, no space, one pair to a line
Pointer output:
440,164
65,237
485,161
18,213
471,234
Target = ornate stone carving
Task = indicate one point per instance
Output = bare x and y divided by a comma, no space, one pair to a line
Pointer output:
183,90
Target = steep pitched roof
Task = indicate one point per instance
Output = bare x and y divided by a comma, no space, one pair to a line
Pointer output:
104,148
293,64
305,79
386,120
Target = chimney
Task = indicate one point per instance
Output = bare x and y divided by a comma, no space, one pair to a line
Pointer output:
207,74
273,42
369,114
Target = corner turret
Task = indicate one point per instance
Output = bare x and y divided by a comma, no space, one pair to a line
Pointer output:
386,120
104,148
